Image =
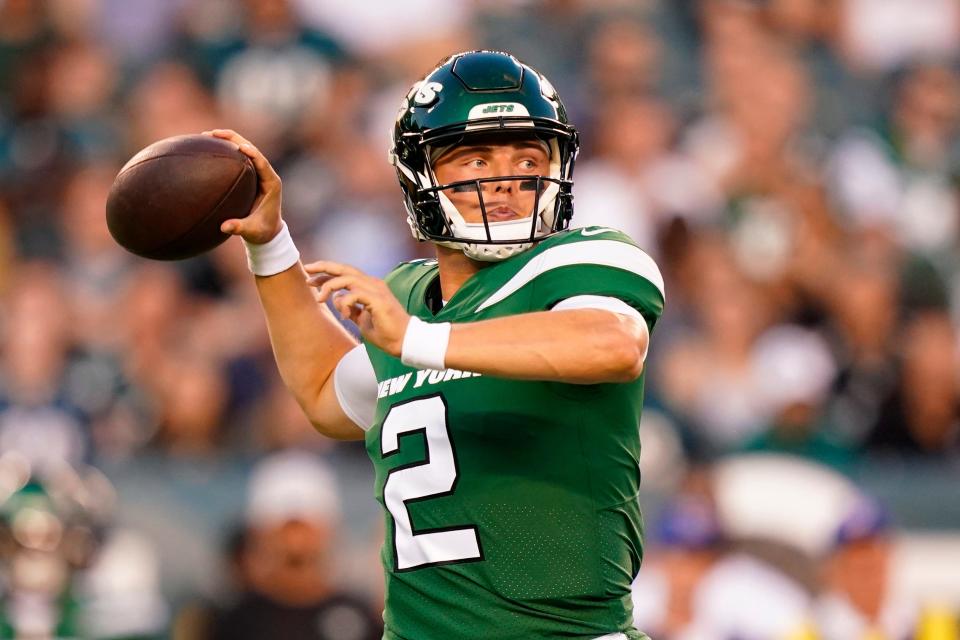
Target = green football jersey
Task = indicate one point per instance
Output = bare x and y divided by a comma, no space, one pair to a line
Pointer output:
511,506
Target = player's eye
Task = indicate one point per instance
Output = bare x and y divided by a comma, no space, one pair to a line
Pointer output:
476,163
528,165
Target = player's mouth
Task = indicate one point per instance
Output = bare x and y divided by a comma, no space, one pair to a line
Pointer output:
501,213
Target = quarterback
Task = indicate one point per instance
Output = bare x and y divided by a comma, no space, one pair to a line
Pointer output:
498,387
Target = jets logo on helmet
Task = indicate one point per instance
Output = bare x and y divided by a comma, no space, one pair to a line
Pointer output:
468,96
426,93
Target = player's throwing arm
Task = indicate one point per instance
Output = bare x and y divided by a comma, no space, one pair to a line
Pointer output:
307,340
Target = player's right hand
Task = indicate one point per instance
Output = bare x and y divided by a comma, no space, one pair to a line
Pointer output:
264,221
365,300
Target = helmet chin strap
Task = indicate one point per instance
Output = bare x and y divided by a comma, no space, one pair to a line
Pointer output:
478,231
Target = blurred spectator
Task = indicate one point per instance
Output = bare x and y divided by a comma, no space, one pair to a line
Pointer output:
193,408
150,304
285,560
268,73
899,177
706,374
812,28
35,155
179,488
858,598
685,544
281,424
121,590
626,59
922,414
167,100
431,29
96,267
82,82
62,578
883,34
863,320
554,34
37,417
787,500
363,209
137,31
633,133
753,593
706,582
23,30
795,371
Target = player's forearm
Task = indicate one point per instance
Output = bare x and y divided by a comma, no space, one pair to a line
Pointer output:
307,340
586,346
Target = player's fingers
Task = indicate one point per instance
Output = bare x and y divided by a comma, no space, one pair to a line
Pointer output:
335,284
348,305
265,171
361,293
249,229
331,268
318,279
268,176
227,134
232,226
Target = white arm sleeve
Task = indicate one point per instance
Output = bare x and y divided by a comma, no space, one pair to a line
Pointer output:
356,386
606,303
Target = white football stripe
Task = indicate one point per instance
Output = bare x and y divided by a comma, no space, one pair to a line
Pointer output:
606,253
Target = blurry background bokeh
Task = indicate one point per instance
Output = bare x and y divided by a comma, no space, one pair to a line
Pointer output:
792,165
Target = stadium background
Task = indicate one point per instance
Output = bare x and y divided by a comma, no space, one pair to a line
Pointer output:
792,165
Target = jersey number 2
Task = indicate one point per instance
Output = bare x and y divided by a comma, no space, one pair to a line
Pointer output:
435,477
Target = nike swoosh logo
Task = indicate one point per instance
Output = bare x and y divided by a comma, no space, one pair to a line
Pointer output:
594,232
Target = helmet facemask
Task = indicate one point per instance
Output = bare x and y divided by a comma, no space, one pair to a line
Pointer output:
433,216
469,96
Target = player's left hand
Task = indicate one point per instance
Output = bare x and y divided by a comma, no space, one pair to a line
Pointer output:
366,300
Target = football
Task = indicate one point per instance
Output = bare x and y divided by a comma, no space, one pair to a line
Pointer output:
169,200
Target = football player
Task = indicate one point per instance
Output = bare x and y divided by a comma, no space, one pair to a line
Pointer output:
498,387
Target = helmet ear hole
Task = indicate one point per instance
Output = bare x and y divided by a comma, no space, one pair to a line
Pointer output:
433,219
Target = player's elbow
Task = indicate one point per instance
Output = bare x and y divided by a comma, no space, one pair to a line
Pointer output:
626,362
336,430
322,409
627,350
332,423
620,353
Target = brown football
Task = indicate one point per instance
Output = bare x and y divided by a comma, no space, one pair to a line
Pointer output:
169,200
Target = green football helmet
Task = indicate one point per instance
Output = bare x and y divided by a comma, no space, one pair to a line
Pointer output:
469,96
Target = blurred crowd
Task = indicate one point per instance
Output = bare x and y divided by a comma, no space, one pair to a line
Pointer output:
792,165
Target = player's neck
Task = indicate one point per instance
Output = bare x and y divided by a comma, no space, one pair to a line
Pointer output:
455,269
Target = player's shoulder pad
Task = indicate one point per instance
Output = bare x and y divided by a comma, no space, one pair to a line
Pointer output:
586,234
406,274
585,248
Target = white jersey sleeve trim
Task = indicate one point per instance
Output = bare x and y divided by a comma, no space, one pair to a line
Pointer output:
607,303
607,253
356,386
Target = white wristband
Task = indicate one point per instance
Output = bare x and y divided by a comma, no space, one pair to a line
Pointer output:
425,344
272,257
